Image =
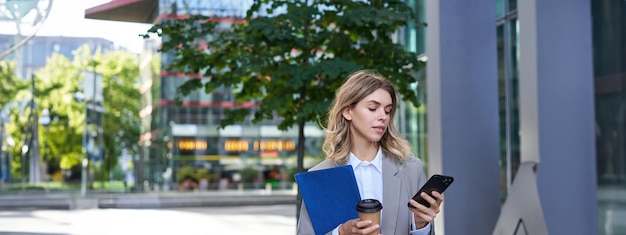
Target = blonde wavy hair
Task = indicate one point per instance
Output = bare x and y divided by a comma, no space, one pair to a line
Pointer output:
338,142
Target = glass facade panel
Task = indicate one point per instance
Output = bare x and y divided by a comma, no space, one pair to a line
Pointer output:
513,91
502,112
512,5
609,51
505,7
508,95
415,36
198,145
413,121
168,87
500,8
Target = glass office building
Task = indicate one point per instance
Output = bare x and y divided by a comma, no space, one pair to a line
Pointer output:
179,139
609,65
192,125
37,50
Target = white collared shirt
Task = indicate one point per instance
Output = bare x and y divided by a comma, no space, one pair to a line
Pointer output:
369,178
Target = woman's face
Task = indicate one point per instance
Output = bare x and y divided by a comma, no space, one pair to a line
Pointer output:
369,118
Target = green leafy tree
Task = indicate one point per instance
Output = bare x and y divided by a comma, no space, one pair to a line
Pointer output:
22,110
122,104
57,88
291,56
61,77
10,86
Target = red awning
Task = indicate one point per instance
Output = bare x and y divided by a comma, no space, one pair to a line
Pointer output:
137,11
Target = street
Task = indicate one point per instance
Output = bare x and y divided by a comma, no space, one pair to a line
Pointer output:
273,219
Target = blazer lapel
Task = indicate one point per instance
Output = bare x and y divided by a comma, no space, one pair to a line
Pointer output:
391,195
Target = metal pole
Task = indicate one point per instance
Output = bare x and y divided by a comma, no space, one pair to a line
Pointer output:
45,121
140,169
171,160
23,169
85,160
100,131
83,174
35,169
4,154
93,115
3,166
83,186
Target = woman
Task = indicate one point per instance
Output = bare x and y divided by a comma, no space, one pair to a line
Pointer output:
361,133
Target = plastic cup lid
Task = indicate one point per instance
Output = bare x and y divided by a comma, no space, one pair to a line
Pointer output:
369,206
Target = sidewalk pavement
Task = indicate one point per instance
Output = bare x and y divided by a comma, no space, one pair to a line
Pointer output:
74,200
257,220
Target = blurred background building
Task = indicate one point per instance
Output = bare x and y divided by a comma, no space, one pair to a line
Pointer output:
175,137
28,59
178,139
37,50
27,49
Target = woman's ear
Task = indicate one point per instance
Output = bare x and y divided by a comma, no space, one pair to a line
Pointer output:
347,114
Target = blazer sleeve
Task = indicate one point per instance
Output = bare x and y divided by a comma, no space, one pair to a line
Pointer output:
305,227
421,180
304,222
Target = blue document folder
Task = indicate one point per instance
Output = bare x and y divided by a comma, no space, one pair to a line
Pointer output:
330,196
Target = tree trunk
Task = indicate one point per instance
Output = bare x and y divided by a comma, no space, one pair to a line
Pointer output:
300,163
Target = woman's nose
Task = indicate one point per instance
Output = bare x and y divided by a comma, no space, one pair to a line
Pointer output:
382,115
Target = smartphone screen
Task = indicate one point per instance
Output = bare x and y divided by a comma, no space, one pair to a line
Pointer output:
437,183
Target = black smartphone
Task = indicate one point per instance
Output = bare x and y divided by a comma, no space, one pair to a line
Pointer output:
437,183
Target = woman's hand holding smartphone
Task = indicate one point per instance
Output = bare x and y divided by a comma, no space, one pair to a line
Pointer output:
437,183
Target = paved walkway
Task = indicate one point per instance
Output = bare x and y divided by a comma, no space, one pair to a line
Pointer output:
258,220
161,213
146,200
